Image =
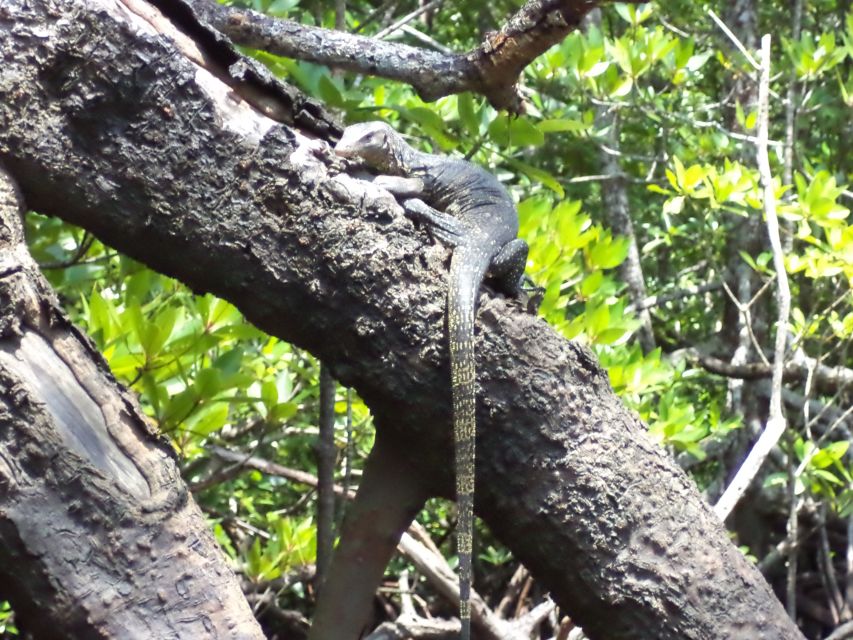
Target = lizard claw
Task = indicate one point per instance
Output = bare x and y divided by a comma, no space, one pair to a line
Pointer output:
530,294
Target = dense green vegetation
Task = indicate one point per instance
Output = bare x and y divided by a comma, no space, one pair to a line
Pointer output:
654,89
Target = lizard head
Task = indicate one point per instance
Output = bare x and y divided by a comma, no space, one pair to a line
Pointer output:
372,142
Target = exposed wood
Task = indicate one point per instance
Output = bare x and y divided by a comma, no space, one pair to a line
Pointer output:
99,537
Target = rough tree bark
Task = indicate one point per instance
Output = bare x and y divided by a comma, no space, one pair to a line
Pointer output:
105,123
491,69
99,537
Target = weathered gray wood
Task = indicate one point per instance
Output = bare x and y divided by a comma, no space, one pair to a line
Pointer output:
99,537
109,127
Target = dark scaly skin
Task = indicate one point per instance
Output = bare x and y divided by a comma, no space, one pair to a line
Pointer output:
467,208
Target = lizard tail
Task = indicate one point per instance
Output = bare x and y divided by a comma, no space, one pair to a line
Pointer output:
467,269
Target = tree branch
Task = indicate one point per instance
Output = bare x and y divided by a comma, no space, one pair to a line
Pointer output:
826,379
492,69
99,537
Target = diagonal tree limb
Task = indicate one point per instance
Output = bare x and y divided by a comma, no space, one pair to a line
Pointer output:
491,69
99,537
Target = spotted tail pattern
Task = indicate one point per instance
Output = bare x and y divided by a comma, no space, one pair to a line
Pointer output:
467,269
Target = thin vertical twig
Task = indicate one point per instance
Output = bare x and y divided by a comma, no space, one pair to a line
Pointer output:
835,600
776,420
848,589
792,535
791,99
349,450
791,108
340,14
326,454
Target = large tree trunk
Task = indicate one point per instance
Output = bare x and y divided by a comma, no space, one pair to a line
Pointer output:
99,537
105,124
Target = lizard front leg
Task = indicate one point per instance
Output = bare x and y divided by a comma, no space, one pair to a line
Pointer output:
441,225
399,186
450,230
508,266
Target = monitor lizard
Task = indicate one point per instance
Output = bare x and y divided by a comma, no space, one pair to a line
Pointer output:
468,209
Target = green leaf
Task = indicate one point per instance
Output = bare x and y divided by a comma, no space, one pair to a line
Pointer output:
828,477
612,335
518,132
598,320
280,8
748,260
524,134
179,407
539,175
253,559
620,51
426,117
208,382
269,393
592,283
284,411
100,315
674,205
830,454
608,252
208,419
465,108
560,125
329,92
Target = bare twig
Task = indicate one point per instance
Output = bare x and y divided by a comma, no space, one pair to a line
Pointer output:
430,563
834,598
433,4
735,40
435,568
792,534
849,586
272,468
349,452
386,6
424,39
81,251
656,300
529,622
776,421
326,454
844,632
407,605
791,99
340,14
516,583
746,311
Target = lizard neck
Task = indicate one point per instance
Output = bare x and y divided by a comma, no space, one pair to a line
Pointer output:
403,160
